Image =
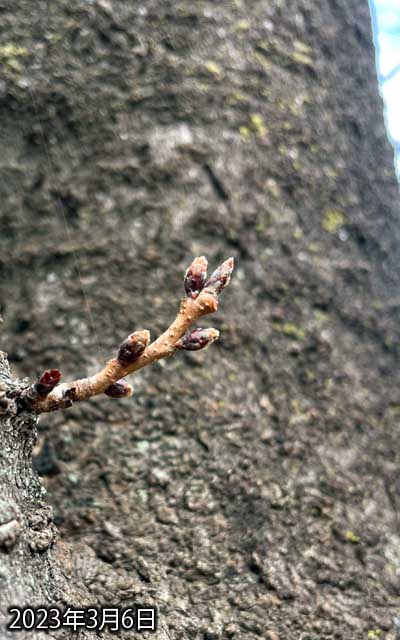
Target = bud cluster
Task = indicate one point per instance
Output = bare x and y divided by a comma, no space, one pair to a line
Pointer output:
196,277
197,339
133,347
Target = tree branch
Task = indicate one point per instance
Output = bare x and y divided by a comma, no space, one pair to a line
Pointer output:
46,394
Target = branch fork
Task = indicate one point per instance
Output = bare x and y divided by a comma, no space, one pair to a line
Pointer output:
48,394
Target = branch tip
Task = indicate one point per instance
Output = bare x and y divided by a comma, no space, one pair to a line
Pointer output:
220,278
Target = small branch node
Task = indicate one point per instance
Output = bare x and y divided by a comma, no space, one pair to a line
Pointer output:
120,389
133,347
197,339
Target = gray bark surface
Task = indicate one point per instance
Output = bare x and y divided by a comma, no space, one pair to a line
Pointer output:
250,491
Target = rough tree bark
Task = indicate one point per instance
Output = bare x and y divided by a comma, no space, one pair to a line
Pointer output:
255,496
28,572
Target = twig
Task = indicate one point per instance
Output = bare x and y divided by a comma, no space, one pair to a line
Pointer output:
46,394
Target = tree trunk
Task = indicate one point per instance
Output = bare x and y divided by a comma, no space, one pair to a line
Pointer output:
32,573
27,531
251,492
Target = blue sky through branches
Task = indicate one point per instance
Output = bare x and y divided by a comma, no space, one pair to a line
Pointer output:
386,23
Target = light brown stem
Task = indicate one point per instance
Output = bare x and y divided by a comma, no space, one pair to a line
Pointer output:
64,394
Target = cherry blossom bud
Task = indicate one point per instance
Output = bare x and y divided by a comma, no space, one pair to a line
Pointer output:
197,339
132,348
46,383
220,278
120,389
195,277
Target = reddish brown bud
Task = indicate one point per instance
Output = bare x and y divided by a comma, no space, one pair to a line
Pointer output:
46,383
197,339
195,277
120,389
132,348
220,278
